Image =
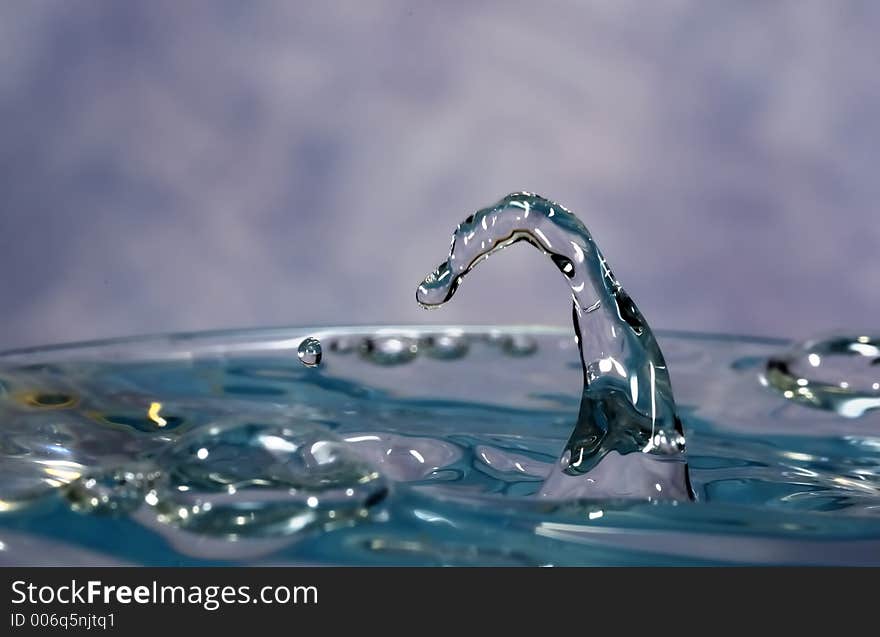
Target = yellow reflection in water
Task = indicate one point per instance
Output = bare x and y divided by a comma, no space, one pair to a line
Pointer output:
153,414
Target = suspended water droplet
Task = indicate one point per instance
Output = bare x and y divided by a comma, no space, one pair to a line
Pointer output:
264,479
309,352
449,346
627,405
390,350
836,373
115,491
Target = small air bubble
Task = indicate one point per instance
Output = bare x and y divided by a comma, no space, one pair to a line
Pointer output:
390,350
519,345
446,346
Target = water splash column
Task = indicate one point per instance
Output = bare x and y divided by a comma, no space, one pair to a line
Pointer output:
628,440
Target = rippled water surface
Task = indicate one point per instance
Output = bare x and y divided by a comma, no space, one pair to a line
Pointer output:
412,446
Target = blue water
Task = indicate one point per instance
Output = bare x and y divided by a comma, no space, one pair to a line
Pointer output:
408,446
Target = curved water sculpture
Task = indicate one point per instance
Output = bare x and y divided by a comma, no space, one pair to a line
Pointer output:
628,440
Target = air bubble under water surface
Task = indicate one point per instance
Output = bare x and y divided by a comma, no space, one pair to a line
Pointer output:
447,445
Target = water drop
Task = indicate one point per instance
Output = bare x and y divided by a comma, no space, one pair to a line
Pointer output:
519,345
264,478
309,352
389,350
449,346
627,406
838,373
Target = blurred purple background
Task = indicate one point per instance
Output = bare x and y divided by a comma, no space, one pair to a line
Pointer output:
192,165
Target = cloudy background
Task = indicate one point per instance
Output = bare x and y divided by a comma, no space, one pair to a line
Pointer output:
171,165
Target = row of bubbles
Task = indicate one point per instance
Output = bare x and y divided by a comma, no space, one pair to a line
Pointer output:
397,349
839,373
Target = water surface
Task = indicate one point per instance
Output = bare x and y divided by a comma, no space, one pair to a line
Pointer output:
407,446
